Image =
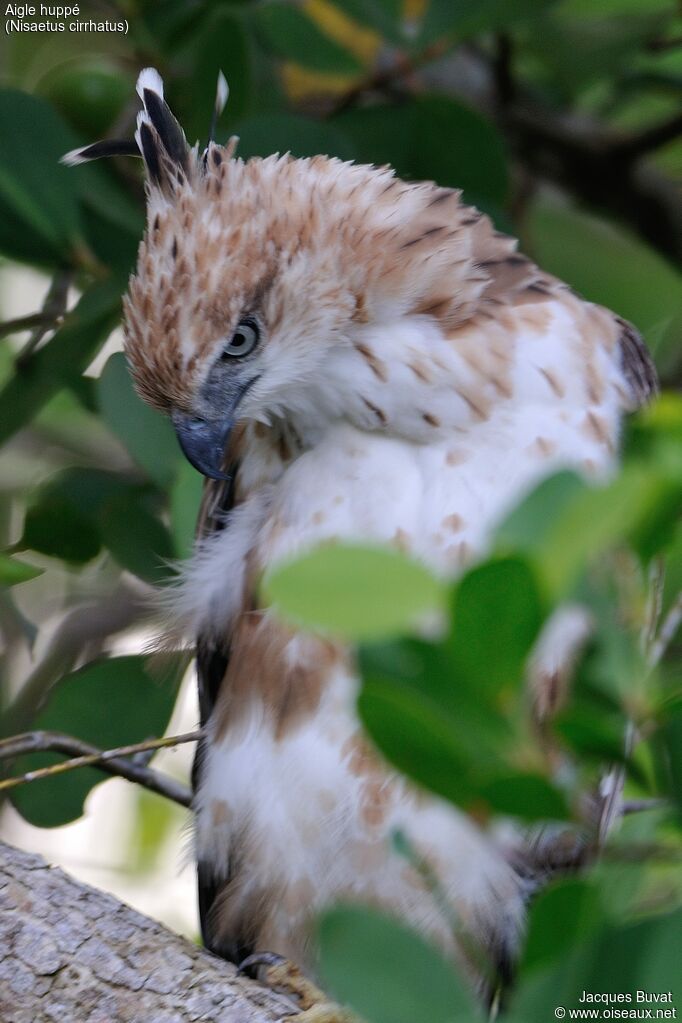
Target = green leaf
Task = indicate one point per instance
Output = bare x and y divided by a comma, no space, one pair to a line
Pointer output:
220,41
564,523
577,52
39,219
185,498
384,16
137,539
388,973
463,18
291,34
434,138
528,796
639,957
602,517
530,520
108,703
13,572
497,614
412,731
358,592
269,133
57,527
148,436
88,92
456,146
63,358
62,515
560,916
668,748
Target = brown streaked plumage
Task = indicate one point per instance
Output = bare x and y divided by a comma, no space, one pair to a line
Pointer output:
397,373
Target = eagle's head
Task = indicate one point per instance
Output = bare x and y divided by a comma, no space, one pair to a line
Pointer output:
261,284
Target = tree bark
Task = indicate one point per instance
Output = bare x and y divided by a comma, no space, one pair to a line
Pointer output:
72,954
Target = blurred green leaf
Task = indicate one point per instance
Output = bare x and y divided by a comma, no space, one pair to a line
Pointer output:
13,571
39,219
219,41
668,747
384,16
577,51
530,520
643,956
137,539
575,903
461,17
434,138
388,973
57,527
291,34
563,524
415,735
95,704
88,93
358,592
527,796
497,612
63,358
185,497
148,436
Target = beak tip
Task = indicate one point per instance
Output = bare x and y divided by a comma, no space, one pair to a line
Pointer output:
203,443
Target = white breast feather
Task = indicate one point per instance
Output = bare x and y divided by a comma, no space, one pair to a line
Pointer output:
438,497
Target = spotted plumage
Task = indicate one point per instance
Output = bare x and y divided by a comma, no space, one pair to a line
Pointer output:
413,375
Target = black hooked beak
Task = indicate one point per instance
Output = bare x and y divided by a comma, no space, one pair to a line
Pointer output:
203,442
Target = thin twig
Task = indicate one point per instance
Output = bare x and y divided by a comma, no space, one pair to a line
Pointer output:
660,45
640,805
402,68
54,308
85,755
666,633
653,607
24,323
651,139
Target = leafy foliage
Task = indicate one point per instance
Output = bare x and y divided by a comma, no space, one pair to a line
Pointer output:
501,100
94,703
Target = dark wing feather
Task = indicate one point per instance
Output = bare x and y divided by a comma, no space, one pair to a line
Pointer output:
212,662
638,365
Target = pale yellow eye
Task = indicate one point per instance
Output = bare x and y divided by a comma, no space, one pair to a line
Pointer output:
243,341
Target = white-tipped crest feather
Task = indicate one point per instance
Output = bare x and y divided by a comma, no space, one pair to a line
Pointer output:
74,157
149,78
222,93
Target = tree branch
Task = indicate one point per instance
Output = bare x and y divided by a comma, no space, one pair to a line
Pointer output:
85,755
54,308
70,952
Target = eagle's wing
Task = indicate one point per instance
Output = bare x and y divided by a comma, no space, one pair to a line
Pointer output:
211,664
637,364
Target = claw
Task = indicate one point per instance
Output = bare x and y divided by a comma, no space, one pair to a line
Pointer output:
260,959
284,976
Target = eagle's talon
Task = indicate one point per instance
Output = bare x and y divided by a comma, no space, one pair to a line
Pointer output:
247,967
283,976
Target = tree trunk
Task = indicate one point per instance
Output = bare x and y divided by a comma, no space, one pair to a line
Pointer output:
72,954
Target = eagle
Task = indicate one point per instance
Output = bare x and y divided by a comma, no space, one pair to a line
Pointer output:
345,356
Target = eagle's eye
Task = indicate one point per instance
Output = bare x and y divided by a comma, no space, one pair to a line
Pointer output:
243,341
